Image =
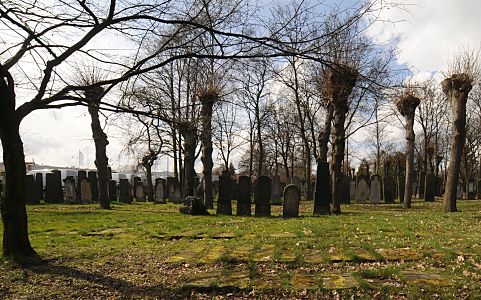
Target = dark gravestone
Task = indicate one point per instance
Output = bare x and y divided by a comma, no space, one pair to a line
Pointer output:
112,190
322,193
125,194
109,172
160,191
194,206
30,193
276,190
244,200
471,189
430,188
234,190
215,188
292,197
53,189
70,190
345,187
439,187
39,185
262,197
224,206
478,190
94,185
80,175
134,185
421,185
139,191
362,189
389,190
169,183
400,188
58,182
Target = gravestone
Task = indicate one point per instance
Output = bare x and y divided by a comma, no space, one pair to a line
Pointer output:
70,190
39,185
30,192
296,181
389,190
85,191
459,191
478,190
345,189
139,192
471,189
81,174
169,182
400,187
376,190
276,190
362,189
194,206
94,185
125,194
292,197
160,193
224,205
175,194
421,185
215,188
262,197
112,190
439,187
430,188
322,193
352,190
134,185
53,189
244,201
234,190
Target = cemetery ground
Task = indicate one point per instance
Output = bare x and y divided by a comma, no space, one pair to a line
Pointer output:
144,251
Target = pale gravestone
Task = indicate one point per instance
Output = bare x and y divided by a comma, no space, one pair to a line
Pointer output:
30,191
175,194
459,191
276,190
139,191
322,194
421,185
160,194
125,195
376,190
352,190
244,201
471,189
430,188
224,205
81,174
85,191
112,190
70,190
389,189
292,197
362,190
296,181
262,197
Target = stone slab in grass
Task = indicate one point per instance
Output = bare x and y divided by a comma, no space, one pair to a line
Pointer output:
190,234
363,255
340,257
313,256
241,253
267,282
339,281
236,279
204,280
224,235
213,254
287,255
397,254
304,282
187,255
411,277
106,232
283,235
264,254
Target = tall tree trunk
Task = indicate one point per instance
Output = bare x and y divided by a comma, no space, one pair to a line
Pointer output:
457,89
325,133
260,161
342,80
189,133
150,184
174,149
100,140
13,203
207,103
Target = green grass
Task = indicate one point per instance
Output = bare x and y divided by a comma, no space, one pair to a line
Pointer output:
122,252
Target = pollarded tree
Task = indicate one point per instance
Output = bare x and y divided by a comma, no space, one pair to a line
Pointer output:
406,104
459,82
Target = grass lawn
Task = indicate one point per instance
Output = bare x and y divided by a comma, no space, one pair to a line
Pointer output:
144,250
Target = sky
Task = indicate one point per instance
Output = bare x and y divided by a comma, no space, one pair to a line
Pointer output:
428,33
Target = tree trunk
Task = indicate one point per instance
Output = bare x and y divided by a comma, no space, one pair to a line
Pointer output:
408,183
206,139
13,203
260,162
325,133
189,133
101,142
150,185
456,88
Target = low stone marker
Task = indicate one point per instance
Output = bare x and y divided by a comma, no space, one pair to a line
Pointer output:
292,197
322,193
276,190
85,191
30,192
70,190
262,197
244,201
362,190
160,191
139,192
125,195
112,190
376,189
224,205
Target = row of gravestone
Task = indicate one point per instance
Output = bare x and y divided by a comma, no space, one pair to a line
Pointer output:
262,197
